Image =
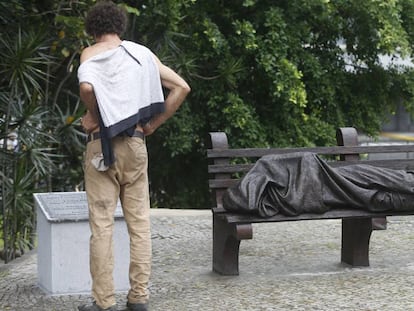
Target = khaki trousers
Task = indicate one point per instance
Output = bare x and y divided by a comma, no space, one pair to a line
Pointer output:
126,179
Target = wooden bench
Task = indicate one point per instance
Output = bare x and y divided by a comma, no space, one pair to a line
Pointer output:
357,225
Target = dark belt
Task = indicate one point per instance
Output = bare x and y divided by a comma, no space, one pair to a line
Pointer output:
97,135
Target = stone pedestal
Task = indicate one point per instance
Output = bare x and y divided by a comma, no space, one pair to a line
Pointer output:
63,244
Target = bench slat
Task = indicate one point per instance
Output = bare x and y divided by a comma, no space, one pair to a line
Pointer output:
229,168
403,164
334,150
222,183
331,214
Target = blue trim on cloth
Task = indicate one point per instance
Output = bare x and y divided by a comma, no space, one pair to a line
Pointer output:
125,127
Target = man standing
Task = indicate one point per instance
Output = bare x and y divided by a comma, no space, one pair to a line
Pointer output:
121,86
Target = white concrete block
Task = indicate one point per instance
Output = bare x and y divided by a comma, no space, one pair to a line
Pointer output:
63,244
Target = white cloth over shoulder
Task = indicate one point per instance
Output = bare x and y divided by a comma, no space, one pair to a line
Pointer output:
127,86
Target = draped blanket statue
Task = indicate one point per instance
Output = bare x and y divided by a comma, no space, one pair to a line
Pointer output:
297,183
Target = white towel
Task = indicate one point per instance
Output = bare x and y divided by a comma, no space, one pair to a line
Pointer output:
127,86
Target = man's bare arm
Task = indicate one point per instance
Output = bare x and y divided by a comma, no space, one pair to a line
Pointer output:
87,95
178,91
90,119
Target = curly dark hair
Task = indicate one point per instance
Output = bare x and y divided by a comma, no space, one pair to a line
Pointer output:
106,17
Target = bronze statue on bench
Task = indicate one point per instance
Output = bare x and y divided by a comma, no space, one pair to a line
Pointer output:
360,202
296,183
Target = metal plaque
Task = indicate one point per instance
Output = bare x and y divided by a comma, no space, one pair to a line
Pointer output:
66,206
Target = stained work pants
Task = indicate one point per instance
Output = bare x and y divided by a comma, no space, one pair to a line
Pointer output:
126,179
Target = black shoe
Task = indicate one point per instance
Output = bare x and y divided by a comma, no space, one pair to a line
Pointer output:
137,306
95,307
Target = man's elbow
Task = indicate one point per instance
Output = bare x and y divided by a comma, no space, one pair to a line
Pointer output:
87,95
85,88
185,89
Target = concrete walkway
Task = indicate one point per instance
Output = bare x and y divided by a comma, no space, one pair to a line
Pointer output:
287,266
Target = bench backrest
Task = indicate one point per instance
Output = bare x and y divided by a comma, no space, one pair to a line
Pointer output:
227,165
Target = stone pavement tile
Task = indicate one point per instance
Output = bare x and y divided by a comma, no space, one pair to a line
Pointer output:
287,266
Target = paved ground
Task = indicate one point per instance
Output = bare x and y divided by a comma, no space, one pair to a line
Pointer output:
287,266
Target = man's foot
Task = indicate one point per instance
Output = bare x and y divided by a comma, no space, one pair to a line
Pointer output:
95,307
137,306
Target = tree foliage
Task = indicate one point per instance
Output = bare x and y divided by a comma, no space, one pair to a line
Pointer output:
273,73
268,73
39,106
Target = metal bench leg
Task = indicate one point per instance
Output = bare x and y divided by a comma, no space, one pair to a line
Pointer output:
356,234
226,242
